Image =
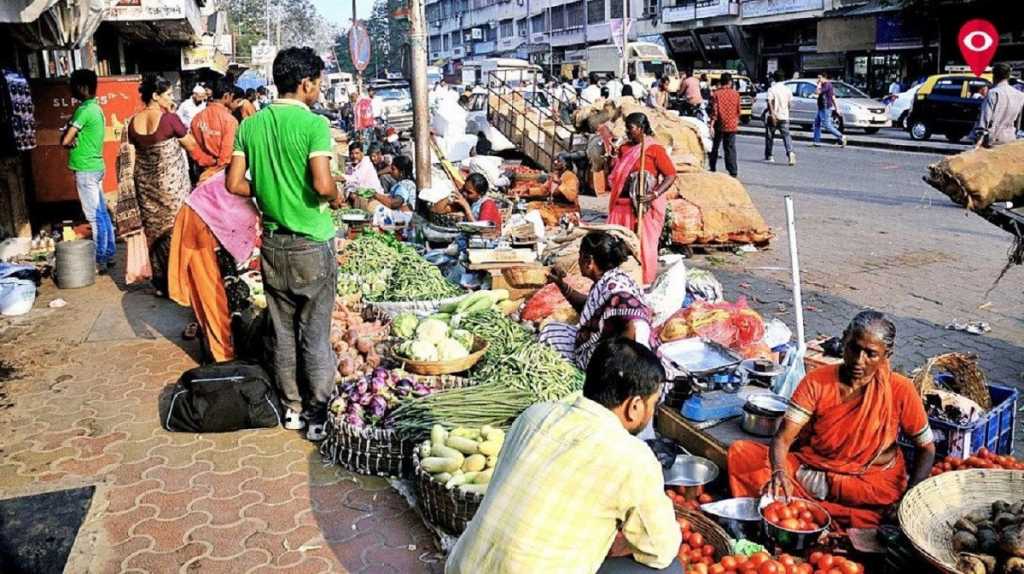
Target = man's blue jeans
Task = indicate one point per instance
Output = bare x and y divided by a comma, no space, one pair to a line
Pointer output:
824,118
94,207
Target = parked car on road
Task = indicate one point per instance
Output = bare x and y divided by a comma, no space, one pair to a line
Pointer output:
855,108
949,104
899,109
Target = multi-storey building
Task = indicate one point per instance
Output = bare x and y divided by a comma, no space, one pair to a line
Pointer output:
867,42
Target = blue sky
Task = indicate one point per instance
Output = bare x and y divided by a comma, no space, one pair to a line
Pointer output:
340,11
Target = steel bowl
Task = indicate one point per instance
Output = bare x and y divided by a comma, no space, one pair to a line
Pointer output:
738,516
794,541
689,470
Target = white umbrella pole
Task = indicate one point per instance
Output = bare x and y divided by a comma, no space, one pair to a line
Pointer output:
794,261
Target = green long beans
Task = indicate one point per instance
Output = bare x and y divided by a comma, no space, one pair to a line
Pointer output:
516,372
381,268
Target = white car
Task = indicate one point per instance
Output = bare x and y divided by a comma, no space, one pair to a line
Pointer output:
855,108
899,109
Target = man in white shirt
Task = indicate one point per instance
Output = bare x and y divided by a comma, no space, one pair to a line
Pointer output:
592,92
777,118
639,91
614,89
377,105
191,107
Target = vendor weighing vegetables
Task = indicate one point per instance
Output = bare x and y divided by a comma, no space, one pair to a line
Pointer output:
850,460
474,204
614,307
572,475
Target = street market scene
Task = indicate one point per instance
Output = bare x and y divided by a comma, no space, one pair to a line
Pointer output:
465,286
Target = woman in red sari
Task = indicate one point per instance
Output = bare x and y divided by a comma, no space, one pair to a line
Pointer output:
660,174
837,443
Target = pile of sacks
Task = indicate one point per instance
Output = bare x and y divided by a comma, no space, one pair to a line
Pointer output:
978,178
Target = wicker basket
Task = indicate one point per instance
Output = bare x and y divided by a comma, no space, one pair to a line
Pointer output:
713,534
445,367
930,508
392,309
377,451
449,510
534,276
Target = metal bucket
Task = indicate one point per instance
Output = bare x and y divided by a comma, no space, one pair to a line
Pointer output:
75,264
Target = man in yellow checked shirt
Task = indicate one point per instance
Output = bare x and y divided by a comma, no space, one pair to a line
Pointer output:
572,475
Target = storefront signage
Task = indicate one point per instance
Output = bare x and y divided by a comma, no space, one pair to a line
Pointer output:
893,31
682,44
758,8
978,41
204,56
125,11
481,48
832,61
620,28
700,9
263,53
715,40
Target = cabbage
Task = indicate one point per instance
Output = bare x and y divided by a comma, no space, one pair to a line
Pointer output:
450,350
404,325
422,351
432,331
465,338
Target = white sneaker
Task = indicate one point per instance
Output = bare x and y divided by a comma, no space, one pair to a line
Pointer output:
770,160
842,142
316,431
792,159
293,420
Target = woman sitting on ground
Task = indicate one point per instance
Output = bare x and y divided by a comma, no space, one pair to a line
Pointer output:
848,417
615,306
398,205
474,203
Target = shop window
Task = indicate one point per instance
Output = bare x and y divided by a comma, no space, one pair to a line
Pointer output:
558,18
595,11
616,9
574,15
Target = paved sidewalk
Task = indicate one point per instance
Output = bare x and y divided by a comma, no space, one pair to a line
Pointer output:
81,407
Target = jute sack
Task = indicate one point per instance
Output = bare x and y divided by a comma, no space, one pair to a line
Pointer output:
681,139
563,251
708,208
978,178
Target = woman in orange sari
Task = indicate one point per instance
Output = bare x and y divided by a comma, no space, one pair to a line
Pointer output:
844,421
659,173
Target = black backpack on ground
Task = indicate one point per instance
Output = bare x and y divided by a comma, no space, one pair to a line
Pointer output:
223,397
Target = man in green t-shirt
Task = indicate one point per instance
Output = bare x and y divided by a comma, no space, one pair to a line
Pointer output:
84,140
287,151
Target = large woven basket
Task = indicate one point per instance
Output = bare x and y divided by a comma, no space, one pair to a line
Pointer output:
929,510
713,534
378,451
445,367
449,510
392,309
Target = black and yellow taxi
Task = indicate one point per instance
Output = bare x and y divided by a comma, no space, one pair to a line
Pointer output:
947,104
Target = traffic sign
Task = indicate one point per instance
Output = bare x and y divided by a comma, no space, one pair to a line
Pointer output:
978,41
359,46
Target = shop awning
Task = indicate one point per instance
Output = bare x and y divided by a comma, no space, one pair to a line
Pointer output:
155,20
40,24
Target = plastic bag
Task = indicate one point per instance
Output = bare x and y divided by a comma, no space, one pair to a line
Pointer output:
667,294
793,363
733,325
703,286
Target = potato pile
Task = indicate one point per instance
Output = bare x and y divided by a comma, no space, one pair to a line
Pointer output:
991,542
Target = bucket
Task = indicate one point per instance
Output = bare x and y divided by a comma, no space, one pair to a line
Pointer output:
16,296
76,264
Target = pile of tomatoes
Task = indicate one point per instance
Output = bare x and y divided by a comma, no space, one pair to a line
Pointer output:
981,459
763,563
798,515
677,494
694,550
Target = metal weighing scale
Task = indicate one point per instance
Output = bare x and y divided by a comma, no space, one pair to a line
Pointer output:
719,379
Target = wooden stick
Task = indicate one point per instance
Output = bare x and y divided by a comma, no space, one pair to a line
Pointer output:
642,174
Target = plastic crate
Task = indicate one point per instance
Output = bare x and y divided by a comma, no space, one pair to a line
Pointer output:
994,430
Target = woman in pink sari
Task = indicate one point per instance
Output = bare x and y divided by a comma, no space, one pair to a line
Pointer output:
659,174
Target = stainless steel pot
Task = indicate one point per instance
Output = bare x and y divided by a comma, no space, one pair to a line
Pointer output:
762,414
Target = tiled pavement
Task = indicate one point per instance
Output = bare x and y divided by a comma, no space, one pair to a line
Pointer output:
81,407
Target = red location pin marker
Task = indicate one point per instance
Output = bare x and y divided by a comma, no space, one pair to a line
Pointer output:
978,41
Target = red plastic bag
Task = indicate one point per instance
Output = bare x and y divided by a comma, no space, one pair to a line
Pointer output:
733,325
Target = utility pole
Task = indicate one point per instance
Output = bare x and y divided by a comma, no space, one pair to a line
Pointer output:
418,68
625,41
359,73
